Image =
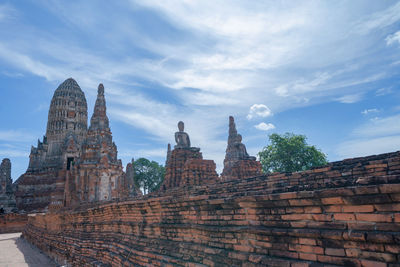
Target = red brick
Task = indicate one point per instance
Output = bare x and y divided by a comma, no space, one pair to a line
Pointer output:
388,207
297,217
389,188
332,200
301,202
308,256
344,217
335,252
299,264
358,208
368,263
352,252
307,241
322,217
333,208
374,217
312,210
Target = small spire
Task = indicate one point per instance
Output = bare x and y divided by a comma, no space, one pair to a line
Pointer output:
232,130
100,89
99,120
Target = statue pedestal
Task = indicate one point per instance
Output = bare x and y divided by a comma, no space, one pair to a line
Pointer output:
186,166
242,169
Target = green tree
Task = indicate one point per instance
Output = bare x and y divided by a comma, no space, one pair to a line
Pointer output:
149,175
290,153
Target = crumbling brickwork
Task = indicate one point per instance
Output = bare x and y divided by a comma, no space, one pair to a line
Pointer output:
344,214
185,164
12,222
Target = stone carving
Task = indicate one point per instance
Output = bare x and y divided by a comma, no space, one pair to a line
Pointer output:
236,158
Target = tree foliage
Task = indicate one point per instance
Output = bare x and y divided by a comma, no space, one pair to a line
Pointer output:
149,175
290,153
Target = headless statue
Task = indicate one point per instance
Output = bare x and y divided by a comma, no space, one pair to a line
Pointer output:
181,138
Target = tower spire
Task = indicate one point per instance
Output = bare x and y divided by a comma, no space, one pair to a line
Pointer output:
99,120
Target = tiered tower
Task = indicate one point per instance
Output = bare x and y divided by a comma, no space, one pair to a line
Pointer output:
73,164
98,174
67,118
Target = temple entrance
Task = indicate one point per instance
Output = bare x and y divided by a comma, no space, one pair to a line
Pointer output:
70,162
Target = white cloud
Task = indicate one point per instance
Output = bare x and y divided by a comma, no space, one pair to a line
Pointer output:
6,12
264,126
349,99
368,111
160,153
233,54
379,135
259,110
379,19
366,147
15,136
13,153
393,38
383,91
379,127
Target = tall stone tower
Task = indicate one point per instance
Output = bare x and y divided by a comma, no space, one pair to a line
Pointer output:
73,164
67,115
49,162
98,174
67,119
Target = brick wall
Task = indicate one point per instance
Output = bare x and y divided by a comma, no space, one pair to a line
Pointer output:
346,213
12,222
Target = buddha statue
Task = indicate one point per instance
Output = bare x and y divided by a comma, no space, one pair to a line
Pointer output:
241,149
181,138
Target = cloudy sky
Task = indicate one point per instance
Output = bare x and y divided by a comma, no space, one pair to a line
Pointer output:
326,69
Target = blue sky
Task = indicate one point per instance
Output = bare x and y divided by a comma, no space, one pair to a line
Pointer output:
326,69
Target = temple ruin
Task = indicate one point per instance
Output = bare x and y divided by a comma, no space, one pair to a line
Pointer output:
84,210
7,198
73,164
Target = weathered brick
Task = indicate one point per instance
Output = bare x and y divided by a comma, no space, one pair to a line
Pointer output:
368,263
344,217
335,252
332,200
374,217
358,208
